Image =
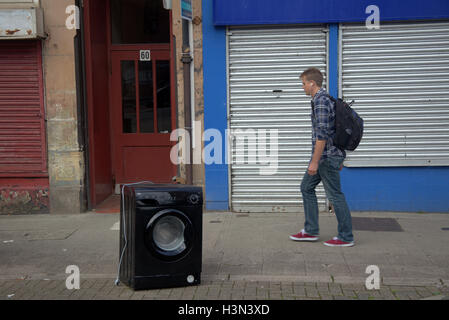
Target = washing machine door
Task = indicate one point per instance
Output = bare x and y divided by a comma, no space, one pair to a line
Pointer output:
169,235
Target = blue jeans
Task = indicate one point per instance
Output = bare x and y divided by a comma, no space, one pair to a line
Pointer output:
329,173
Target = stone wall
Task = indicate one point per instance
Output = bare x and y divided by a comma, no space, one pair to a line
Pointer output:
65,160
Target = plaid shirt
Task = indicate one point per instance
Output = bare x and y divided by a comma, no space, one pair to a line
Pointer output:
323,124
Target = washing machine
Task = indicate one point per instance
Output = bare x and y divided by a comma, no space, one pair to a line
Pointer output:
161,235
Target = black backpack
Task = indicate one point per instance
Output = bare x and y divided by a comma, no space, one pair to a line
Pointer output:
348,126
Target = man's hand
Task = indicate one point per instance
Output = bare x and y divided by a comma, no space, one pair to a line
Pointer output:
313,168
313,165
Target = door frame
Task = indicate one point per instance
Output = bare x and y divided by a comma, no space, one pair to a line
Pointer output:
130,47
88,65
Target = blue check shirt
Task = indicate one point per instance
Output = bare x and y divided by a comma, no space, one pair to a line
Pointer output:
323,124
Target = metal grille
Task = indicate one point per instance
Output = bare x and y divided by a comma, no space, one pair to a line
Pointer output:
399,78
22,139
266,93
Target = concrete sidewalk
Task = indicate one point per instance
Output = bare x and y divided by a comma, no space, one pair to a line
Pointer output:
245,256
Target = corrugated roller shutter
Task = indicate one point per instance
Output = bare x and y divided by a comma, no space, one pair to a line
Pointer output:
399,78
266,93
22,139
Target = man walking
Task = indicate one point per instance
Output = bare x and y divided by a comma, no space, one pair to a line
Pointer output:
325,165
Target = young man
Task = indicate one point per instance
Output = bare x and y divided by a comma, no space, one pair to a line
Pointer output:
325,165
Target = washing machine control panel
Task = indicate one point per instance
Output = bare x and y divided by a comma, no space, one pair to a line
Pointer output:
163,198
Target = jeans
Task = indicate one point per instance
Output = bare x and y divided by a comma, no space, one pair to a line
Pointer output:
329,174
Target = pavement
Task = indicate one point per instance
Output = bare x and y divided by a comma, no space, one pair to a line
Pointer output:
245,257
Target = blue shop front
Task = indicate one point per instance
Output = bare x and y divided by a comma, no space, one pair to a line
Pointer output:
391,58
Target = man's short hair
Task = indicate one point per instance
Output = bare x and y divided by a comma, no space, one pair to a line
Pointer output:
313,74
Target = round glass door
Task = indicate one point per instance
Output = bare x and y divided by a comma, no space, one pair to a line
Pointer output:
169,235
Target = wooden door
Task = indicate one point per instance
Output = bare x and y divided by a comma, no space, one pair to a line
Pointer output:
143,116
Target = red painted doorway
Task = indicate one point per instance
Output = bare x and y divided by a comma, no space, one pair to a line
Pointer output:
142,114
115,32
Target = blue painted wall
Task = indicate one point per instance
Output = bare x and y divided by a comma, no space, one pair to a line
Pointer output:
215,105
407,189
412,189
240,12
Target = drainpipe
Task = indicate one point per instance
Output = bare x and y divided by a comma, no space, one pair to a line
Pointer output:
187,60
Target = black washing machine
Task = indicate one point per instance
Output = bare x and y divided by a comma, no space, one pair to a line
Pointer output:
161,236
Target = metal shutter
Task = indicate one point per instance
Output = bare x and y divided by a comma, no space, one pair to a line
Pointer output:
22,138
399,78
265,92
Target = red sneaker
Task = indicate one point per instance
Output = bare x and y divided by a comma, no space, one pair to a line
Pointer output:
303,236
335,242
